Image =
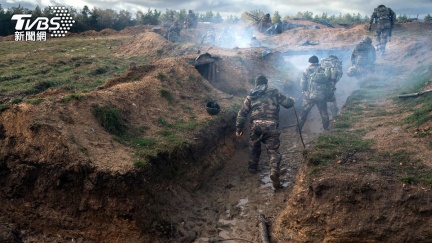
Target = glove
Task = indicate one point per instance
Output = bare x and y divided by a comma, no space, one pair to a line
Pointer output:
239,133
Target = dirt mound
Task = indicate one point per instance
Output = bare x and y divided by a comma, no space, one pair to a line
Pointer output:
326,38
137,29
150,44
7,38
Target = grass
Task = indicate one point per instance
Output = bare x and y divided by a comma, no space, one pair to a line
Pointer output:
173,138
165,93
421,107
78,64
161,76
109,118
70,97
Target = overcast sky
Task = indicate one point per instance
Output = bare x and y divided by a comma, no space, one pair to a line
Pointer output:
411,8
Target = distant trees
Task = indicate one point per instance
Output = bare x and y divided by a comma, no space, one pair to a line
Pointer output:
98,19
401,18
340,19
276,17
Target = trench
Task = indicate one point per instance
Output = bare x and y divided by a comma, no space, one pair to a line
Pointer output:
229,203
225,206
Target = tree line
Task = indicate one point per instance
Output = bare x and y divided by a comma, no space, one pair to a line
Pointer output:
99,19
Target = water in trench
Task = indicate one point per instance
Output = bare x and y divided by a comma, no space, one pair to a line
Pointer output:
229,203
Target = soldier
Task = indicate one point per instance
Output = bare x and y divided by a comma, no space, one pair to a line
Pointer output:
334,65
175,27
264,23
314,84
263,104
191,20
362,58
174,32
209,38
385,18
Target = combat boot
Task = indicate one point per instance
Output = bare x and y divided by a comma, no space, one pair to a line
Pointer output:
274,176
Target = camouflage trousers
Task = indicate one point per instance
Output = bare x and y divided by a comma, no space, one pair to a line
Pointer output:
382,36
307,105
331,103
265,132
332,106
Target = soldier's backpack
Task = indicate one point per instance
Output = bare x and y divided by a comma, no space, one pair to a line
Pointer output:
383,13
333,67
318,84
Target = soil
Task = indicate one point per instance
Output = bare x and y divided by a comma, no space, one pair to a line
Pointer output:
54,191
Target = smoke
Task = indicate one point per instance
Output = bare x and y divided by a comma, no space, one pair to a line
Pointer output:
233,36
344,88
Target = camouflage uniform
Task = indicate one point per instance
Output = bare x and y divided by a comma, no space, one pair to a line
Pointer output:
385,18
265,23
333,62
191,20
362,58
263,104
174,32
309,88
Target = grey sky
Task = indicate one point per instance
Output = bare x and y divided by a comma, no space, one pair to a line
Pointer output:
236,7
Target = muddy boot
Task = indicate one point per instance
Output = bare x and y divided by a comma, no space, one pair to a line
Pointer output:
252,170
253,167
274,176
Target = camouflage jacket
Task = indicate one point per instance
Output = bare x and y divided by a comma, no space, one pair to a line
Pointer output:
385,17
363,55
263,104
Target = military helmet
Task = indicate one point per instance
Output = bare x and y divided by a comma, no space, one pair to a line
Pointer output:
313,59
261,80
352,71
367,40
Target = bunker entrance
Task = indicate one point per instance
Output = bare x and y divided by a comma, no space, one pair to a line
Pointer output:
206,65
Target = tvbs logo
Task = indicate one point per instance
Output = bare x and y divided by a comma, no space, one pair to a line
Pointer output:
58,26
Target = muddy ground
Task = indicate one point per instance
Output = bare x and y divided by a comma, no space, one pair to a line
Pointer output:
52,192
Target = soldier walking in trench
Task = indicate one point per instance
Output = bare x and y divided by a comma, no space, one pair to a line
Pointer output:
385,18
334,65
314,84
263,104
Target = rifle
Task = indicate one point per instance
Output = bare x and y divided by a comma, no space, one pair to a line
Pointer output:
415,94
257,19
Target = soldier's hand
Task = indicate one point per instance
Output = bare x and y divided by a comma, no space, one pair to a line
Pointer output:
239,133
